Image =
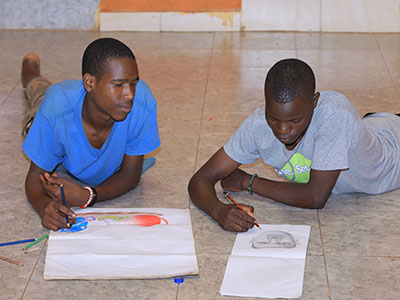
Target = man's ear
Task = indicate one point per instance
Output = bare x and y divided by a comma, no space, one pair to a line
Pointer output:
315,99
89,81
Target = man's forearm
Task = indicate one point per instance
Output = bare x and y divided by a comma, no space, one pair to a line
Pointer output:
36,195
294,194
116,185
202,193
313,194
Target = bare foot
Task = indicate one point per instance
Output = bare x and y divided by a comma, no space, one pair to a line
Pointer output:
30,68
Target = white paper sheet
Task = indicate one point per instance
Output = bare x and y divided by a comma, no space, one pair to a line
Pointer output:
268,263
125,243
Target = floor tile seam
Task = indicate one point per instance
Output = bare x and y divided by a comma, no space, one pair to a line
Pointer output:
8,95
281,209
33,270
323,255
167,168
360,210
387,67
203,105
338,51
202,112
365,256
314,254
47,44
320,16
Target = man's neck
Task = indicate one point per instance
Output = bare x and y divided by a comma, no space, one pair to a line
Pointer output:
95,118
97,125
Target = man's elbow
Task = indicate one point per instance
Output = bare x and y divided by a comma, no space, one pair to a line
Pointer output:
135,183
318,205
318,201
192,185
131,181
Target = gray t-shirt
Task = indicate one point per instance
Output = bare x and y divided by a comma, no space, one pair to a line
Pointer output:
367,151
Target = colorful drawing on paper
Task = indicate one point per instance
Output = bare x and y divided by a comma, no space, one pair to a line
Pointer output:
273,239
123,243
117,218
81,224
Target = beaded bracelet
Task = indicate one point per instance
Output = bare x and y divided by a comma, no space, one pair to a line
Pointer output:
92,197
251,183
94,200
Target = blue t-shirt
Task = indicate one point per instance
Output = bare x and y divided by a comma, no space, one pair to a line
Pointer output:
57,134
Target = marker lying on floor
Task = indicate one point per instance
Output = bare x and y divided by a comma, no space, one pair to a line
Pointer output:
31,250
35,242
237,204
11,261
16,242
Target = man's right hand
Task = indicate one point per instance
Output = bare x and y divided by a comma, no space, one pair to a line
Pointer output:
54,214
50,208
232,218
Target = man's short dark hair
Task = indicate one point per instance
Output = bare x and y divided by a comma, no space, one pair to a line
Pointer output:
101,51
288,79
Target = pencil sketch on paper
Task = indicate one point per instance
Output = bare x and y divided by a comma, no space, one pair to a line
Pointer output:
273,239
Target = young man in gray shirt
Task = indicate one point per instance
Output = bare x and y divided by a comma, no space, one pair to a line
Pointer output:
316,141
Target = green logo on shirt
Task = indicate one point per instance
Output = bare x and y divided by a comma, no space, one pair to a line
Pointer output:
297,169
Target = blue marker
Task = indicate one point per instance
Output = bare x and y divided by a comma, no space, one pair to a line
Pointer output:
16,242
64,203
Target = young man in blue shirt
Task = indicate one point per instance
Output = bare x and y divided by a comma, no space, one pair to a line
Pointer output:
96,130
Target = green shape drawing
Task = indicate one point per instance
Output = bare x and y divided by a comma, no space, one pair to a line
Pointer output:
297,169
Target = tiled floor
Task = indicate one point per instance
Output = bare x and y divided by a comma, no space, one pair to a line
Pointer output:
205,85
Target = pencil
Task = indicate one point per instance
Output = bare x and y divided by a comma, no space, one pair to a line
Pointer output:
237,204
64,202
35,242
11,261
31,250
16,242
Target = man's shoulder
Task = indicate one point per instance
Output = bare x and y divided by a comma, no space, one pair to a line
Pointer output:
256,124
62,97
67,87
334,99
334,103
258,116
334,113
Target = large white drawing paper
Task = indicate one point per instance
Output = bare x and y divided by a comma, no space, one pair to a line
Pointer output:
125,243
268,263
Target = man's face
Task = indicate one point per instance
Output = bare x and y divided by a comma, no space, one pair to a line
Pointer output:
290,121
113,93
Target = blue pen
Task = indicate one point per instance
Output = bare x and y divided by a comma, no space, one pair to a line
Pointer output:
64,203
16,242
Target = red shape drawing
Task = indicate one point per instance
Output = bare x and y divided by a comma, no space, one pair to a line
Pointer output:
146,220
